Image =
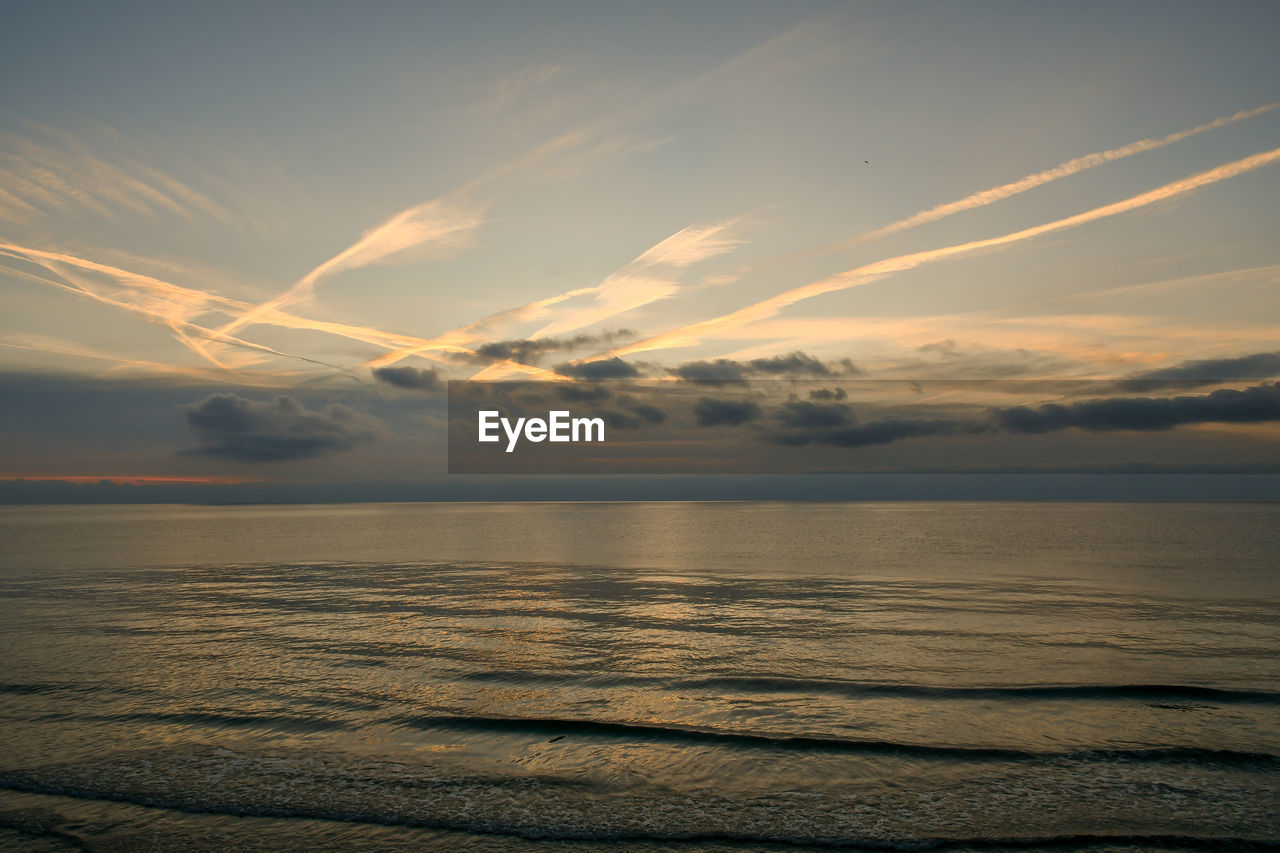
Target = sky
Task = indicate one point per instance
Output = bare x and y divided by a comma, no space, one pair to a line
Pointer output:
245,247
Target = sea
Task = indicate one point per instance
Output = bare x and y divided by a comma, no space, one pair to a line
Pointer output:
679,676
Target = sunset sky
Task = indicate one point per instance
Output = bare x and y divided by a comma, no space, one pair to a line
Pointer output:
207,207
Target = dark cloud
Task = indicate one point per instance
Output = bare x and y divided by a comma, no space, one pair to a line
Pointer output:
647,412
711,412
720,370
883,431
625,411
818,423
231,427
575,393
409,378
827,394
887,430
947,347
608,368
620,420
1251,405
801,364
948,360
794,364
530,350
1262,365
650,413
802,414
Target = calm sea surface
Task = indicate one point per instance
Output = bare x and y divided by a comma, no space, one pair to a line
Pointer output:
641,677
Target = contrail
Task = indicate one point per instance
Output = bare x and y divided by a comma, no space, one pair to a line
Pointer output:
933,214
456,338
171,305
1062,170
366,250
643,281
440,222
629,287
692,334
175,305
185,331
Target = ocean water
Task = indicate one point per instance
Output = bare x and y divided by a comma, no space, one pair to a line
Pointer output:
641,677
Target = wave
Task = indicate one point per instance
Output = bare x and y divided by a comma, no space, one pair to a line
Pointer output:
560,727
856,689
689,734
1149,693
280,722
1141,692
603,835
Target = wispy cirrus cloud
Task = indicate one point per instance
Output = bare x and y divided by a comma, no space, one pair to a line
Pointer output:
695,333
52,172
507,89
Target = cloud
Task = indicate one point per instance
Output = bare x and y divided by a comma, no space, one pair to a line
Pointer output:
827,394
712,412
694,333
646,411
1262,365
409,378
230,427
720,370
835,424
620,420
882,431
803,414
529,350
576,393
1258,404
800,364
505,90
53,172
610,368
792,364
